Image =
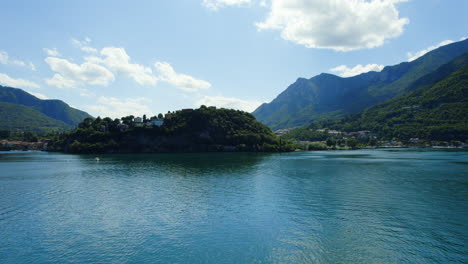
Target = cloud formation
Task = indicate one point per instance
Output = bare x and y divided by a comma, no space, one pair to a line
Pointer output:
181,81
111,62
217,4
5,59
341,25
345,71
117,108
19,83
229,102
70,75
52,52
118,61
416,55
84,45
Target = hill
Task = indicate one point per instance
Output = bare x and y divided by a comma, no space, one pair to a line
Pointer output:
20,110
327,96
199,130
434,108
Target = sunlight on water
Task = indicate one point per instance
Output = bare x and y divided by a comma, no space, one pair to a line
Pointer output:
367,206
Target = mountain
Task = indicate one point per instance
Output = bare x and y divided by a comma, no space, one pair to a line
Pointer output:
23,111
435,108
327,96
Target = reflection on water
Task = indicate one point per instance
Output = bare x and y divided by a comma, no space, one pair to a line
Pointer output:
367,206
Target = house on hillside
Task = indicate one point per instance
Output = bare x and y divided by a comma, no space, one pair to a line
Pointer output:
138,121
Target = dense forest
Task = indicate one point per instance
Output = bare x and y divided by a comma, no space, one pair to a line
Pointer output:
203,129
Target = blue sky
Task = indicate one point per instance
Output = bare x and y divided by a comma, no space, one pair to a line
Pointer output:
114,58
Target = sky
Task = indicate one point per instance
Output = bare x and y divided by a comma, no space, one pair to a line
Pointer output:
117,58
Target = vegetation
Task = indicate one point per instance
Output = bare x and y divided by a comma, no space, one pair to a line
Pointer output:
21,111
304,134
435,109
22,118
203,129
329,97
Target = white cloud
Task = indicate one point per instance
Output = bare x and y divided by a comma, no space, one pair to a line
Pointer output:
52,52
111,62
229,102
416,55
89,49
80,43
32,66
19,83
5,59
181,81
341,25
39,95
84,45
117,60
217,4
61,82
345,71
117,108
263,4
69,75
18,63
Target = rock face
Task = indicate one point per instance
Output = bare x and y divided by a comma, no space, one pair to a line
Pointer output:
327,96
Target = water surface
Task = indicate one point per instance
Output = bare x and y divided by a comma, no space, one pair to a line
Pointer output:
366,206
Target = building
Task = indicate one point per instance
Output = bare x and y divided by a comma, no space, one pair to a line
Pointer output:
157,122
168,116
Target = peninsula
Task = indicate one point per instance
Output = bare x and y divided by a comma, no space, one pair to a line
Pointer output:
206,129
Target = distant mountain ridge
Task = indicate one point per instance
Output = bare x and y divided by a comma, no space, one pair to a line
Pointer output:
22,111
327,96
434,108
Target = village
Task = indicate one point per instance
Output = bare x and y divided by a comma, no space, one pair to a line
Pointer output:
369,139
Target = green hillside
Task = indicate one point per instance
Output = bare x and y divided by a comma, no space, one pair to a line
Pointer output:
327,96
435,108
19,117
55,109
22,111
199,130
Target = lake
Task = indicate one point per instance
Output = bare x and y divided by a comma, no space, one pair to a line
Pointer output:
363,206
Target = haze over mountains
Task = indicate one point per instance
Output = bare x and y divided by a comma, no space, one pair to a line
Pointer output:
327,96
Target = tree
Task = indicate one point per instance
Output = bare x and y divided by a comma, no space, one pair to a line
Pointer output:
5,133
29,137
160,116
352,143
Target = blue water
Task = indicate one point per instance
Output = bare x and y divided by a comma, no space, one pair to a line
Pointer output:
366,206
